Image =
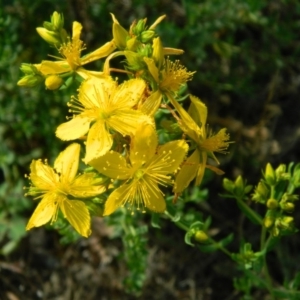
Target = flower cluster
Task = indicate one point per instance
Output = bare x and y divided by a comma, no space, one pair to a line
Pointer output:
119,126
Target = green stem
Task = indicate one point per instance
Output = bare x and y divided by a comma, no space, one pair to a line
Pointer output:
251,212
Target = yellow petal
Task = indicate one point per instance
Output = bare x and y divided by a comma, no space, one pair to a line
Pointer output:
43,213
116,199
94,92
152,103
155,201
67,162
169,157
119,33
42,176
198,111
83,186
73,129
187,172
103,51
111,164
53,67
187,124
143,144
77,214
99,141
77,27
201,169
152,68
125,121
128,93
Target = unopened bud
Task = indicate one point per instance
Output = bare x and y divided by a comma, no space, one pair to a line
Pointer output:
53,82
287,206
139,27
270,175
30,81
201,236
268,221
57,21
272,204
228,185
147,36
158,52
49,36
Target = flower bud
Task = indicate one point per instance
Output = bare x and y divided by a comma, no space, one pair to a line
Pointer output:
30,80
268,221
272,204
49,36
228,185
57,21
200,236
147,36
53,82
139,27
284,222
28,69
49,26
281,173
158,52
287,206
270,175
261,193
239,186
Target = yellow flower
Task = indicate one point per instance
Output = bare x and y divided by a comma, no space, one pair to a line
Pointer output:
58,186
71,60
148,167
194,125
107,106
169,79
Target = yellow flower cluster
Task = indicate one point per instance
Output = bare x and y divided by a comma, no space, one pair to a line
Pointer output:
119,125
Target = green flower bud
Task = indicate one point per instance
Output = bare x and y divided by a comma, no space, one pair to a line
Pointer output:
268,221
49,36
147,36
281,173
28,69
239,186
201,236
30,81
287,206
284,222
272,204
57,21
228,185
53,82
270,175
49,26
139,27
261,193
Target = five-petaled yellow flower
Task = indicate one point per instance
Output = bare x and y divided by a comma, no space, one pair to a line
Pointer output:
168,80
60,188
194,125
148,167
107,106
71,60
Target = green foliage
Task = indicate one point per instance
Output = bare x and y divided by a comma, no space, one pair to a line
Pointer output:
240,50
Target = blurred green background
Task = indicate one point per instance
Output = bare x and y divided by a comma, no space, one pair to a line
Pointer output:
245,52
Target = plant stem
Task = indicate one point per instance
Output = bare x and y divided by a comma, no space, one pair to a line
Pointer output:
250,211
